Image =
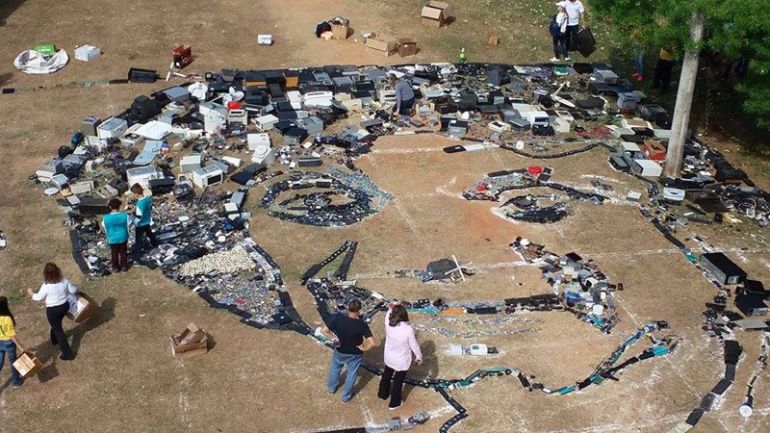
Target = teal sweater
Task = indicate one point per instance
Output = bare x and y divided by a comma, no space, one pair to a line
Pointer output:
116,227
143,212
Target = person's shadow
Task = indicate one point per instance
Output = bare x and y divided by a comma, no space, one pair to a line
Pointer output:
105,314
429,368
46,352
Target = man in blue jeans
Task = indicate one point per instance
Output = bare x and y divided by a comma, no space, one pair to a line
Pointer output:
354,338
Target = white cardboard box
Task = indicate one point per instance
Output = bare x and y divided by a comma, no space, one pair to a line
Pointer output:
86,53
647,168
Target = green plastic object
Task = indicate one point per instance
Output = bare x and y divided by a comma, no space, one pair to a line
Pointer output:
561,70
45,49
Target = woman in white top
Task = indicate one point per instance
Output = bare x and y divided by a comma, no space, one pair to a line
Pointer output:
56,292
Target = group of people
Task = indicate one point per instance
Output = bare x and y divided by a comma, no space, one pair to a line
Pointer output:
117,224
57,292
353,337
565,26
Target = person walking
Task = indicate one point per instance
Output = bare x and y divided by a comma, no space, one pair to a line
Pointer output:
142,221
400,344
9,342
558,29
115,226
56,291
662,76
576,14
354,338
405,96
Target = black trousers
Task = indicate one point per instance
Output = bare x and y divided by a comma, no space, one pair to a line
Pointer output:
144,235
55,316
406,107
560,46
571,37
119,256
662,78
391,386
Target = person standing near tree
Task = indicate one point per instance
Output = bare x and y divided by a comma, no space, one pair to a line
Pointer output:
354,338
400,344
576,14
56,291
8,341
662,77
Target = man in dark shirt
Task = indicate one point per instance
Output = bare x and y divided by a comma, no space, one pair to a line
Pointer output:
355,338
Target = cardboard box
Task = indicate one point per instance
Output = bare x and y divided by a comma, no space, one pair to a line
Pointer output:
435,14
407,47
27,365
82,308
378,46
493,39
191,341
340,31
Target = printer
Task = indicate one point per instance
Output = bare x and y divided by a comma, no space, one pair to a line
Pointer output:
207,176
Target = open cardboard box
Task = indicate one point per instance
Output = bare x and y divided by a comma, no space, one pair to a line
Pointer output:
340,31
435,14
190,341
27,365
83,308
379,46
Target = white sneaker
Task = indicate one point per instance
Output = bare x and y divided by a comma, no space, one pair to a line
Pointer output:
554,60
394,408
567,59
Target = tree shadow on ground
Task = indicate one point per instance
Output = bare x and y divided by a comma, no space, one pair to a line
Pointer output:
7,8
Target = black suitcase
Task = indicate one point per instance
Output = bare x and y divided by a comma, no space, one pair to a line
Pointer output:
586,44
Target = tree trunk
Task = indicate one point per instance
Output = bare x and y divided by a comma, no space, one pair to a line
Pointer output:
684,98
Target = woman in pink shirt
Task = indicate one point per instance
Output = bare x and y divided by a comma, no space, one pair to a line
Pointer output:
400,343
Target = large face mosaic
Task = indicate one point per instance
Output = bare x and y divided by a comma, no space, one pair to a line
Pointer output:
290,140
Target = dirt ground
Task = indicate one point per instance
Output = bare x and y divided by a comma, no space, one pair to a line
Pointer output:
125,379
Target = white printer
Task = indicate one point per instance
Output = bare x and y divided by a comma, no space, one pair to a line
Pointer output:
142,175
113,127
209,175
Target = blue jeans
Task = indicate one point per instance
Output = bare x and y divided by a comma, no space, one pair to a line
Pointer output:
9,347
352,362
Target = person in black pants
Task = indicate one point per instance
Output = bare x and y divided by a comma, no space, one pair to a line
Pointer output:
400,346
662,77
56,291
142,222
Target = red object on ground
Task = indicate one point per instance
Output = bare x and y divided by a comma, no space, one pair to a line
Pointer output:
481,187
182,56
535,170
234,105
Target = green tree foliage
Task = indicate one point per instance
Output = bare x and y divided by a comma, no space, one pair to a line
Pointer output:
735,28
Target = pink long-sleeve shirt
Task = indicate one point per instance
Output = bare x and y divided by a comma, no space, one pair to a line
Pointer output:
400,343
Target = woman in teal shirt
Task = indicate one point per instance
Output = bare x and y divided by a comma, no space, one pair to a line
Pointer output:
115,226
